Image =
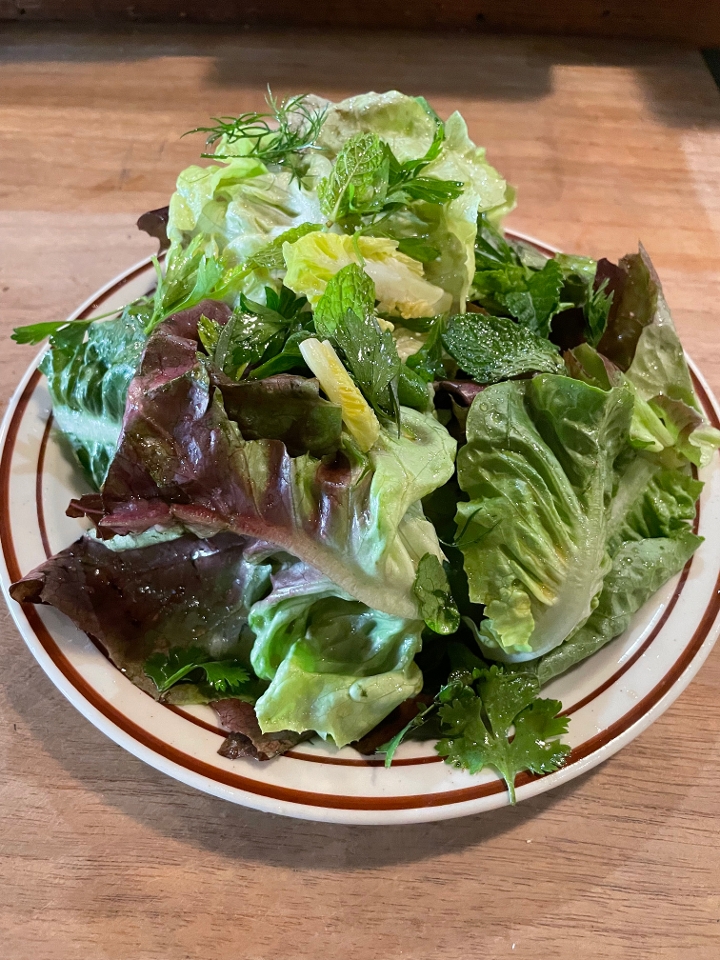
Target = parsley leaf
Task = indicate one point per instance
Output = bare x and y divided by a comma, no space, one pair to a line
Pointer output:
271,255
477,719
539,301
597,310
491,349
192,664
427,362
432,591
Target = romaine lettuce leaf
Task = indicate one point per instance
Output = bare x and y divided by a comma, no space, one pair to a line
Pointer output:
399,282
650,541
88,382
538,467
334,665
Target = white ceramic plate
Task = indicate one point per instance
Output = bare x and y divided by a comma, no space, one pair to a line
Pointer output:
612,697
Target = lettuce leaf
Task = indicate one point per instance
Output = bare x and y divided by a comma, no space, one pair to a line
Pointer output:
538,467
182,593
408,126
334,665
650,541
88,382
399,282
354,517
240,204
641,340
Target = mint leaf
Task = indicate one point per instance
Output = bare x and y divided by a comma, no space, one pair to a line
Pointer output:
359,180
350,289
536,304
492,349
477,719
344,314
190,664
432,591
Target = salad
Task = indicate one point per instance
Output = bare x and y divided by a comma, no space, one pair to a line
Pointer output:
362,466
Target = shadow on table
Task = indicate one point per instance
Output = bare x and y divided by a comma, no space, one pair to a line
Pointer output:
677,85
169,808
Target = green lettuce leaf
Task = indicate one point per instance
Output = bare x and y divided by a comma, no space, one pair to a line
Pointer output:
538,467
88,382
409,128
334,665
240,204
399,282
650,541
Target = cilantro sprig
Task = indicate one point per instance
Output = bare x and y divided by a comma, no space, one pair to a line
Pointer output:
225,677
493,717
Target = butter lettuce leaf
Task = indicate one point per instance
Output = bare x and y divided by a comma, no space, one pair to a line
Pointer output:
335,665
356,517
538,468
641,340
400,285
650,540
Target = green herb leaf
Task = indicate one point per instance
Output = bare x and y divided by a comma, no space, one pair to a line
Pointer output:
427,362
209,333
288,128
271,256
359,180
349,289
419,249
478,719
224,676
597,310
390,748
432,591
536,304
492,349
345,315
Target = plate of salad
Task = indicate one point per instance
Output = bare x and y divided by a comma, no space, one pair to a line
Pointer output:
351,504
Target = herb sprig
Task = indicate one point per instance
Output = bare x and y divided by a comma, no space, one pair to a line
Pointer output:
289,127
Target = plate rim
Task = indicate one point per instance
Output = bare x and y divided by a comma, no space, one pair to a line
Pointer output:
340,814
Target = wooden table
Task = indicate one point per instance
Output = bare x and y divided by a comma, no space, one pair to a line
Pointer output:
105,859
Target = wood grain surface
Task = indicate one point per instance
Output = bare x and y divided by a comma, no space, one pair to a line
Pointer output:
103,858
689,21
